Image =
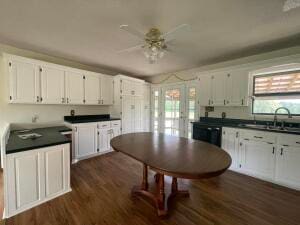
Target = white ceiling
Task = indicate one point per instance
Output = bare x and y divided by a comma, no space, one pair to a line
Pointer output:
88,31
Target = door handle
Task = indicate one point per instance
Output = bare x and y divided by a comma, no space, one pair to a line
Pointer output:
281,151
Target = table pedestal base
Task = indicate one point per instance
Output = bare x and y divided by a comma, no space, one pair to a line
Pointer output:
159,197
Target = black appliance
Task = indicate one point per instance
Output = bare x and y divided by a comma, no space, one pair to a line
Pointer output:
207,133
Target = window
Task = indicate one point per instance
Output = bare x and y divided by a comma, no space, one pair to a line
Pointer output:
276,90
156,111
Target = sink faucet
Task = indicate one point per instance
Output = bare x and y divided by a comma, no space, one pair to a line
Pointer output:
276,111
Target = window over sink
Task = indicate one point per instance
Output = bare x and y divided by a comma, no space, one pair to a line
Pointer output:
272,91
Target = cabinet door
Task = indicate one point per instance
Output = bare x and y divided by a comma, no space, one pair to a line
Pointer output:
107,90
92,89
146,108
137,89
258,159
127,114
57,166
218,89
287,166
236,88
126,87
230,143
24,82
204,90
74,88
52,85
24,180
85,140
137,119
104,139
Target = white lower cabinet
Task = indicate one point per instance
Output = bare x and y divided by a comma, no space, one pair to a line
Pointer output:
257,158
287,166
91,139
85,139
35,176
230,143
269,156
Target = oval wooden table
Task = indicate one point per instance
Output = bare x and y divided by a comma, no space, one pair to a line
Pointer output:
172,156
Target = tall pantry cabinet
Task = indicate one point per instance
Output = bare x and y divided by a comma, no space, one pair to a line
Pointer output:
128,103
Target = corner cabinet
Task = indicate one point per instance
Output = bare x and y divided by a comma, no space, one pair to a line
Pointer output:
35,176
37,82
269,156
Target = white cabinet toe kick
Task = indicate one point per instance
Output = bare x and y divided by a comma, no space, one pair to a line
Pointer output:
270,156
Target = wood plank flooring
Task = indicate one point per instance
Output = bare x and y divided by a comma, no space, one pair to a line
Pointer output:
101,195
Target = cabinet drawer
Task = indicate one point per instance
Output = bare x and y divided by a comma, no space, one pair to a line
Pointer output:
104,124
115,123
289,139
258,136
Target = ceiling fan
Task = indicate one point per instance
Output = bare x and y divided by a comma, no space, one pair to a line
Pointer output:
155,43
291,4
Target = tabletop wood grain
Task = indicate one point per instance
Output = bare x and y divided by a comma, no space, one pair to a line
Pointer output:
174,156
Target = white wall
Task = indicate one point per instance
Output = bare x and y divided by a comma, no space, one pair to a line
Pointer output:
289,55
48,114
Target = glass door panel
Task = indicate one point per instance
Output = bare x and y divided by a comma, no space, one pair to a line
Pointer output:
191,111
173,104
156,106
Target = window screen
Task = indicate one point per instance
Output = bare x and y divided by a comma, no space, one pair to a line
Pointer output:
277,84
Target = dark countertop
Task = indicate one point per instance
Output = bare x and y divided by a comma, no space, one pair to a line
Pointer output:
89,118
240,124
50,136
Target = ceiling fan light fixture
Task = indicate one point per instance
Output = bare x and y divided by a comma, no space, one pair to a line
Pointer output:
291,4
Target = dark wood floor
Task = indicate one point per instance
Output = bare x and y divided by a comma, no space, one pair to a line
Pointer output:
101,195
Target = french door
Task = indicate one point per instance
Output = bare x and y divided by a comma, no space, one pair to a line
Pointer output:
173,110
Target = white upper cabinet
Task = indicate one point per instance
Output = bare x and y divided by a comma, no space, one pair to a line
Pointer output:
92,89
237,88
74,87
205,90
218,89
224,88
24,81
37,82
52,85
130,87
107,90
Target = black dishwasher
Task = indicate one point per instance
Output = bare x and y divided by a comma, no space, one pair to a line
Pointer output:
207,133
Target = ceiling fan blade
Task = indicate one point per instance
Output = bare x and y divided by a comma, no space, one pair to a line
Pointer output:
131,49
175,32
291,4
133,31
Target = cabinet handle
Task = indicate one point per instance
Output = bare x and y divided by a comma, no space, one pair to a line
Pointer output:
208,101
37,98
273,150
102,102
224,102
297,142
258,137
242,101
67,100
62,100
281,151
237,134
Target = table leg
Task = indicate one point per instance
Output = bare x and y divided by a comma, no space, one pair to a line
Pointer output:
159,197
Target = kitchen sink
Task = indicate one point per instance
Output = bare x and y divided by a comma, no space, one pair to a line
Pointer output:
29,136
270,128
256,126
